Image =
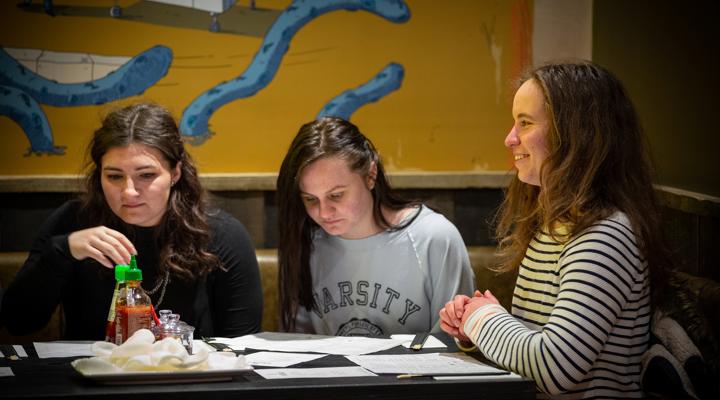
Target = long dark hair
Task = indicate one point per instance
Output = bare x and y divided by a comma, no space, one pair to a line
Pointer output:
598,164
327,137
183,234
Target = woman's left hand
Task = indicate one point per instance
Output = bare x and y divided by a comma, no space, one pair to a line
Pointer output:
475,303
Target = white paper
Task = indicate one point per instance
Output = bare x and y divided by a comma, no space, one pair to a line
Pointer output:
424,364
430,343
303,343
331,372
6,371
275,359
20,350
63,349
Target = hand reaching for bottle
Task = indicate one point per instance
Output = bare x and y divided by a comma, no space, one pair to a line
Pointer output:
105,245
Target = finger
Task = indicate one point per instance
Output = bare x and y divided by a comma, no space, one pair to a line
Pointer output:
451,330
98,256
477,293
121,243
490,296
123,239
459,307
446,317
108,249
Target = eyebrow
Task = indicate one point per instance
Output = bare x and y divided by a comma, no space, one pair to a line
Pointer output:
110,168
329,191
524,115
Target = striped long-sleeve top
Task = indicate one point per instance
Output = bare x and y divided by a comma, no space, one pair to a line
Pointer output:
580,315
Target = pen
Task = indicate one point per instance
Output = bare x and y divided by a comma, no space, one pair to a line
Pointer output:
419,341
405,376
9,352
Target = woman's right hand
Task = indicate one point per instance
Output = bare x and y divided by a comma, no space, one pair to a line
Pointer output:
451,316
102,244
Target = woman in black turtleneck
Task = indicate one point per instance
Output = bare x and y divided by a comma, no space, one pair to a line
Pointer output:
142,197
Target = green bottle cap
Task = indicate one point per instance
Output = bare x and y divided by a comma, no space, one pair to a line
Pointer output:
133,273
120,271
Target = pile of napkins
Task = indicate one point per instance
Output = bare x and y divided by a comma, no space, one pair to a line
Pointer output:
141,353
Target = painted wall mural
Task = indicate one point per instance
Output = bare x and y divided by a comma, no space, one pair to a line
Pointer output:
267,60
422,78
22,90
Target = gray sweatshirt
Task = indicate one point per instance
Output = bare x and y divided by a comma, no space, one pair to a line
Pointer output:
391,282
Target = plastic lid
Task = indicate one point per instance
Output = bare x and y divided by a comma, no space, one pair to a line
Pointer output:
133,273
120,271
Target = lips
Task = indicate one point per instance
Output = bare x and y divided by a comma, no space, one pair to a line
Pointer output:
132,205
520,156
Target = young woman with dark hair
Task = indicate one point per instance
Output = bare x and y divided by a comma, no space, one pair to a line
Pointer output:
581,222
354,258
142,197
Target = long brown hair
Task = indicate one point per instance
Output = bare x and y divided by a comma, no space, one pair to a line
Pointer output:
183,234
326,137
598,163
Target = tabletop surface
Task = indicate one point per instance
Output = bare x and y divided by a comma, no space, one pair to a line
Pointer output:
54,378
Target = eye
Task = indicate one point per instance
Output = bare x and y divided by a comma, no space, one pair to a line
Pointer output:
148,175
113,177
336,196
523,123
309,199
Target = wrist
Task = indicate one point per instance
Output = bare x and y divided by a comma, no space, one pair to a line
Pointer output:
465,345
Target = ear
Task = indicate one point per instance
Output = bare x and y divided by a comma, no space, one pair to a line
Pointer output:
176,172
372,176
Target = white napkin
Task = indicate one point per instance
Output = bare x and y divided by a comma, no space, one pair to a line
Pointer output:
141,353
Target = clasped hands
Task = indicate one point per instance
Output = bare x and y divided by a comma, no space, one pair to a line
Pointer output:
459,309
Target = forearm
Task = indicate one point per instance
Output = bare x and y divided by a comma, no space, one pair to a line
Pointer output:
33,295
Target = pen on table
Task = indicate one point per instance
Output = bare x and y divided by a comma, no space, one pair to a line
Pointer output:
9,352
418,341
405,376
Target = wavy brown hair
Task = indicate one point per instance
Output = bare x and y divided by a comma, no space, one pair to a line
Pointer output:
326,137
598,164
183,234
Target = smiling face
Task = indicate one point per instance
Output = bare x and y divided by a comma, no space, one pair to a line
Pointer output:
528,138
338,199
136,181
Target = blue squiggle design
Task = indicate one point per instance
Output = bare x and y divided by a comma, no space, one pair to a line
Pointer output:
265,63
26,112
131,79
24,91
344,105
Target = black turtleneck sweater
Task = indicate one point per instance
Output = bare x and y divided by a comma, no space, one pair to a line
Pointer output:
226,303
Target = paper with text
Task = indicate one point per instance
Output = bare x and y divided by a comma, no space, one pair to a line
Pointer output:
424,364
304,343
332,372
63,349
276,359
431,343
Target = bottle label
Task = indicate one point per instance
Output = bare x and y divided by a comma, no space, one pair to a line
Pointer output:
131,319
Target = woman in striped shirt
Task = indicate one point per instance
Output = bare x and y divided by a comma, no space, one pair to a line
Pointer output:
581,222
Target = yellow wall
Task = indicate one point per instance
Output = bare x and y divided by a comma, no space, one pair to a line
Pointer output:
451,113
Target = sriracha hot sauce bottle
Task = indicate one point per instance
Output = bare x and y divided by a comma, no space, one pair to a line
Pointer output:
119,284
133,310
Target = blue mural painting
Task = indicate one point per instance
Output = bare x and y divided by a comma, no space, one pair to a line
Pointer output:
344,105
23,91
265,63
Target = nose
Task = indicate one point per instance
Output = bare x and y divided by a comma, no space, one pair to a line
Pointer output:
129,188
512,138
326,210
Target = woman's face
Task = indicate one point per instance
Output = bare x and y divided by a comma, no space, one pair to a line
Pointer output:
338,199
136,181
527,139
